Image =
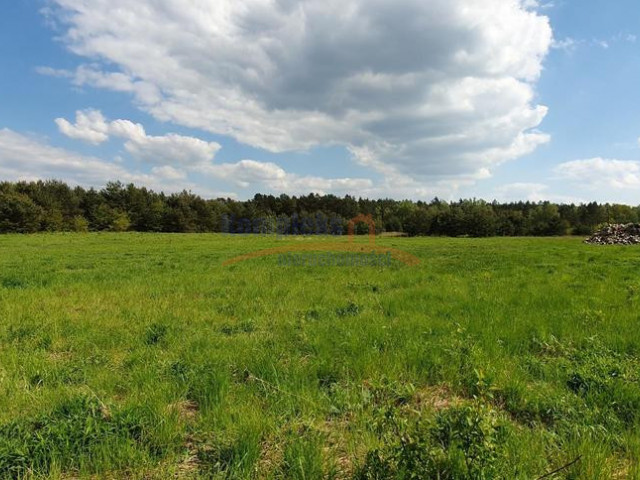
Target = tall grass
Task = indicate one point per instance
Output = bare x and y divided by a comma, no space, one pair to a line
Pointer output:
141,356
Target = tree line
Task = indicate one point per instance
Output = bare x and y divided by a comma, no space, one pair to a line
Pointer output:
53,206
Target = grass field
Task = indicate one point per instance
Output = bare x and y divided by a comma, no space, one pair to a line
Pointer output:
141,356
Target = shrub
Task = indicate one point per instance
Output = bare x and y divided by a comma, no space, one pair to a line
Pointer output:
121,223
461,442
79,224
18,214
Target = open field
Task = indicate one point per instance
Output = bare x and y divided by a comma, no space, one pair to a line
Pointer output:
141,356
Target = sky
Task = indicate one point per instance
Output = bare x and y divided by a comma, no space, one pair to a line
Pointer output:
406,99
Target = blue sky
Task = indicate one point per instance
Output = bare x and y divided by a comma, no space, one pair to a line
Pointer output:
405,99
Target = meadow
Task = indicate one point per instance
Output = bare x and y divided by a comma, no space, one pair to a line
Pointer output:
141,356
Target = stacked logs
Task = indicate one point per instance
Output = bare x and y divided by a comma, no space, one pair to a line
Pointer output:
628,234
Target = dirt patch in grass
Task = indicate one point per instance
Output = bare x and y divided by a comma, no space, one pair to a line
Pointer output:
271,457
190,465
187,410
434,398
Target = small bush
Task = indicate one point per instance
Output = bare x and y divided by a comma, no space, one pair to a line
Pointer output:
121,223
79,224
460,443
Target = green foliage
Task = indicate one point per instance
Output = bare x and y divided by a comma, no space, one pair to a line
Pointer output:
18,213
349,310
463,442
80,433
79,224
120,223
52,206
606,379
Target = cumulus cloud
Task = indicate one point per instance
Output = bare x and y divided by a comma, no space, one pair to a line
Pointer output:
27,158
268,175
91,126
416,90
169,173
193,155
600,172
171,148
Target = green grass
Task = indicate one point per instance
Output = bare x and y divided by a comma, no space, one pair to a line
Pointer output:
141,356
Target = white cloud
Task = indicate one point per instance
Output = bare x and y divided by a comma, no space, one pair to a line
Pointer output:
425,90
250,173
92,127
27,158
595,173
532,192
54,72
169,173
193,155
570,45
171,149
567,44
535,4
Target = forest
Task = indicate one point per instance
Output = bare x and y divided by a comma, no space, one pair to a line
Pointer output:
53,206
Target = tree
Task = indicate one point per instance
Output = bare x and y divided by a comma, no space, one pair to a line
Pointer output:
54,206
79,224
545,221
103,217
52,220
121,222
419,222
479,219
19,214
